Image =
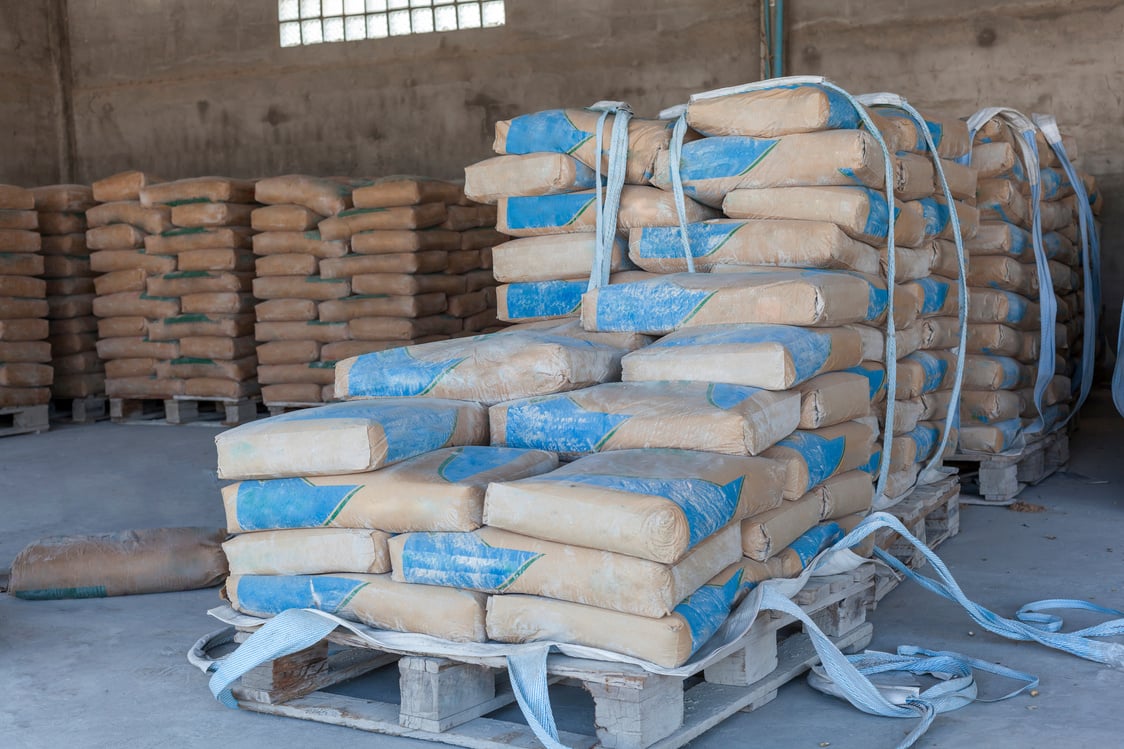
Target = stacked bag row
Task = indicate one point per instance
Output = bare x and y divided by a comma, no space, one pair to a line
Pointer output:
352,266
79,372
25,354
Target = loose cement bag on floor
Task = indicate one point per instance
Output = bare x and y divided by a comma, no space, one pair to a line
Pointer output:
488,369
730,419
531,174
496,561
651,504
779,242
374,600
784,297
347,437
859,211
441,490
156,560
774,357
811,457
309,551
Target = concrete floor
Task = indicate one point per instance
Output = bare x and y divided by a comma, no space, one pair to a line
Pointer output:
112,672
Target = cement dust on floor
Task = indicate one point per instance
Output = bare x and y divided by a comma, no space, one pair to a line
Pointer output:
112,672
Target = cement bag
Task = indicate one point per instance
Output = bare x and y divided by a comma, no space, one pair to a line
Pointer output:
187,367
553,256
550,300
997,160
787,243
405,240
401,329
934,296
783,297
288,352
123,186
19,240
151,220
23,286
792,560
438,491
14,308
213,347
496,561
108,261
573,329
532,174
309,551
802,108
1057,248
183,239
350,308
300,287
995,373
24,396
990,438
994,305
355,220
181,326
574,132
284,218
63,266
774,357
76,198
22,374
667,641
211,214
216,260
938,223
21,264
156,560
916,446
135,347
217,303
1064,278
143,387
114,237
833,398
729,419
994,339
767,534
576,212
198,190
214,387
949,133
963,180
913,176
1001,238
302,331
135,303
374,600
53,223
650,504
859,211
941,333
989,407
844,495
36,352
1002,200
402,190
906,415
402,262
812,457
909,264
182,283
712,167
323,196
923,372
297,243
318,373
347,437
487,369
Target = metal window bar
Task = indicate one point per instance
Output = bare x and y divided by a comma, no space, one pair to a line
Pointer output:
305,22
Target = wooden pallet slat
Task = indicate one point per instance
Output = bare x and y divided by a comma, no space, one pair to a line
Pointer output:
87,410
999,479
183,410
24,420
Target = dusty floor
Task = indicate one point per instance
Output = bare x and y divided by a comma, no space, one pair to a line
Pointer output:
112,672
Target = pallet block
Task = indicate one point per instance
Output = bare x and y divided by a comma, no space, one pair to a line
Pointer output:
87,410
183,410
24,420
276,408
932,514
446,701
999,479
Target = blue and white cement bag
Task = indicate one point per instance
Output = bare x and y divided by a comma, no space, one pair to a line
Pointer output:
730,419
991,438
923,372
938,222
487,369
553,257
774,357
916,446
833,398
374,600
776,242
875,374
653,504
988,407
799,108
308,551
348,437
995,305
550,300
1001,238
859,211
813,456
995,373
783,297
491,560
439,491
766,534
530,174
574,329
577,212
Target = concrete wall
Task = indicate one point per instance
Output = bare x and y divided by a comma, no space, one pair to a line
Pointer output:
1065,58
32,123
190,87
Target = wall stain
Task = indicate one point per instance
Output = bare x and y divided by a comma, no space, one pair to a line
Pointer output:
275,116
986,37
202,106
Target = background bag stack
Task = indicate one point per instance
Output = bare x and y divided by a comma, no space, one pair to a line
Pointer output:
25,355
117,228
212,330
79,372
390,262
543,185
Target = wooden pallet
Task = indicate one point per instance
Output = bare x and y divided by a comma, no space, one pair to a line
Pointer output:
87,410
24,420
998,479
182,409
447,701
932,514
276,408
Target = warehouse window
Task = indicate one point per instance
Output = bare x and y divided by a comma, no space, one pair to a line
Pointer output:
305,22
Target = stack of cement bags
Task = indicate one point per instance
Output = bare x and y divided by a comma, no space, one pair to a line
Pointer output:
209,287
348,267
117,228
543,185
25,354
70,290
